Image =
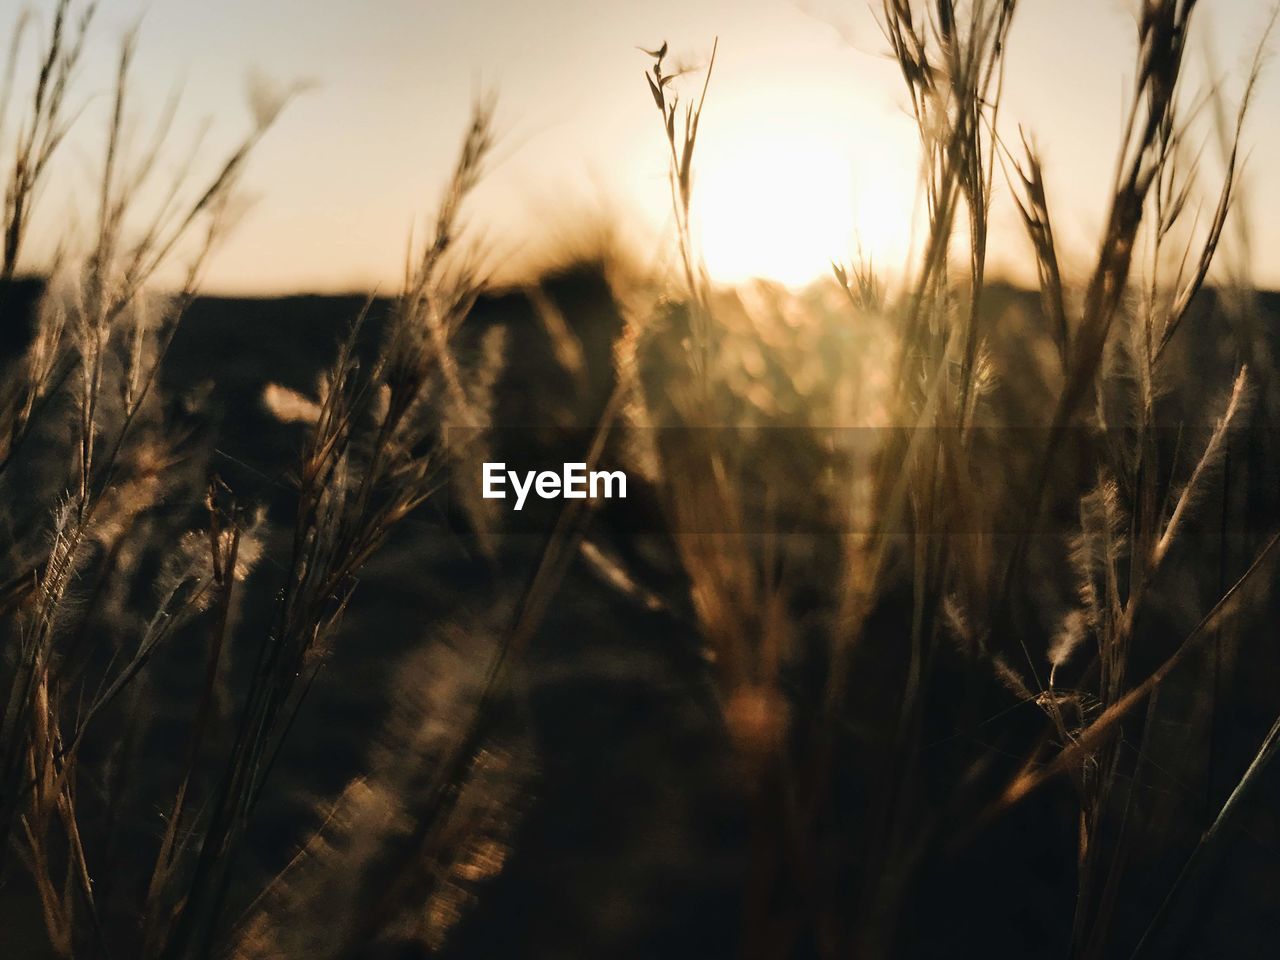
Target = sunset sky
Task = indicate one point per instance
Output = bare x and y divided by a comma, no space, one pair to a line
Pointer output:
807,152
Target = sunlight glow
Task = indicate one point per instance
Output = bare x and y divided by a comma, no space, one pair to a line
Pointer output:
782,208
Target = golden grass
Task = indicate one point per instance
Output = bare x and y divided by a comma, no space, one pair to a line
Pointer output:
932,587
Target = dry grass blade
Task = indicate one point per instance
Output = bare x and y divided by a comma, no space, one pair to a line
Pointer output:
1106,724
1209,461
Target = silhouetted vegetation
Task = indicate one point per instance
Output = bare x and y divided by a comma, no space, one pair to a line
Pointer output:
936,621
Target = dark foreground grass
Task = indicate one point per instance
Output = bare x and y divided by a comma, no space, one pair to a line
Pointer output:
936,622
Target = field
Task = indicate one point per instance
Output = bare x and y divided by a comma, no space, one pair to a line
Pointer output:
937,619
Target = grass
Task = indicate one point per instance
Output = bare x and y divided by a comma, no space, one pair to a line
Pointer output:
941,571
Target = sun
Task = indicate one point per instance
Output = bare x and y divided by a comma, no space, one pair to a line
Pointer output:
783,207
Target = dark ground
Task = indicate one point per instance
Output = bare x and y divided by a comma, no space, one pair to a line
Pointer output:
629,835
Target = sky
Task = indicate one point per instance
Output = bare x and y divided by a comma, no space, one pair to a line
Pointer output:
806,152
